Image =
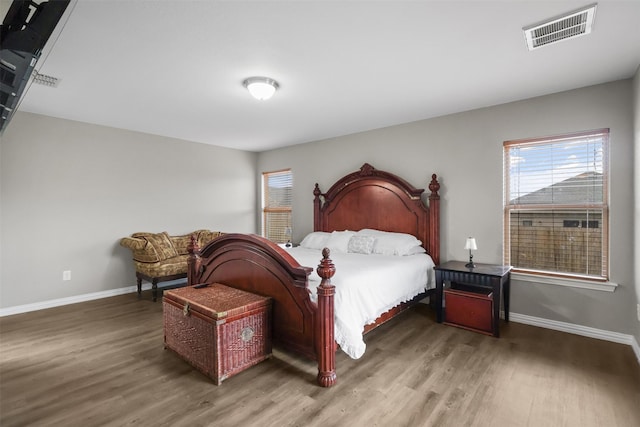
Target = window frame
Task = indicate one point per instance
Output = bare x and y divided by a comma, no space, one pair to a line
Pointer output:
560,277
266,210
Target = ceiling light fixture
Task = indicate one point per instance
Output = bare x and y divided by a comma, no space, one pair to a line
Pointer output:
261,88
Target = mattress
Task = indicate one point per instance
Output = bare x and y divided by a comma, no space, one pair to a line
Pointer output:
367,286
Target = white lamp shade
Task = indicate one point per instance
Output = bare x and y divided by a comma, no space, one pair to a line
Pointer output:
261,88
471,244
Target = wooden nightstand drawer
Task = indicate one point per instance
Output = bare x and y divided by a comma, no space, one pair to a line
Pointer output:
470,288
469,310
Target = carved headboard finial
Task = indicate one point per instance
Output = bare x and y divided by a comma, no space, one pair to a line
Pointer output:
316,190
367,170
434,185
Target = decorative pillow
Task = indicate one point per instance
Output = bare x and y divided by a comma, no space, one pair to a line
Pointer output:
206,236
361,244
339,241
180,243
388,243
315,240
158,248
416,250
163,245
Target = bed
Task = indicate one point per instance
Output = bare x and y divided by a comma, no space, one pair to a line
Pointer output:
304,312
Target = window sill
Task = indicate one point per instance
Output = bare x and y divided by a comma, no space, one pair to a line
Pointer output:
573,283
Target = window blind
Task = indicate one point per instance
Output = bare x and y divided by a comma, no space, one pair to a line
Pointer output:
277,196
556,212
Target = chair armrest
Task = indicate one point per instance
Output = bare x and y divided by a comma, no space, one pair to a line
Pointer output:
133,243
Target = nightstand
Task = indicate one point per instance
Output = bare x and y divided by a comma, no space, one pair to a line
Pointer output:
479,289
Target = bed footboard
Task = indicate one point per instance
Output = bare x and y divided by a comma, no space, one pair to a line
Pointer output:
255,264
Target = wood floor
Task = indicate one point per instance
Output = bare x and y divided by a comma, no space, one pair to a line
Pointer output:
102,363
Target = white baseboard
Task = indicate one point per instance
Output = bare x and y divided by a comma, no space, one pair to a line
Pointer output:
19,309
81,298
635,347
585,331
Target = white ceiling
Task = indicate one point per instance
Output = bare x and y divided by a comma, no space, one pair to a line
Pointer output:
175,68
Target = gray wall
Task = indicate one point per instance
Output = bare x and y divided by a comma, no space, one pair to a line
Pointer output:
465,150
69,191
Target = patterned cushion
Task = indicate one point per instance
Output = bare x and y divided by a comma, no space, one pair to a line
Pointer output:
361,244
206,236
181,243
176,265
158,247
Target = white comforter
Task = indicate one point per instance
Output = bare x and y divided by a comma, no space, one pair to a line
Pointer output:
366,287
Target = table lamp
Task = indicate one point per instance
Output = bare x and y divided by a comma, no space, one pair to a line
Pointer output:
471,245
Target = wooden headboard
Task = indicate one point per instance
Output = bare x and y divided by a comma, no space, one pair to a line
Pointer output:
371,198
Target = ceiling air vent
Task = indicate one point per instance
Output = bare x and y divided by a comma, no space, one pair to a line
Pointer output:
567,26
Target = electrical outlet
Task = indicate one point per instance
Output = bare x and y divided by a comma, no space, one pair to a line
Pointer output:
66,275
638,312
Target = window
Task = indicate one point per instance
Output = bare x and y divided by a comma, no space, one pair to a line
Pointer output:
276,217
556,205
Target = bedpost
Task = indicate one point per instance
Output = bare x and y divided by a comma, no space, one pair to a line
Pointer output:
325,339
193,262
434,220
316,208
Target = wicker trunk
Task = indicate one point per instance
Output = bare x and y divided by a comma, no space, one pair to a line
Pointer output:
219,330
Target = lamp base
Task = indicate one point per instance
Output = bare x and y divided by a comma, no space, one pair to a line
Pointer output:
470,264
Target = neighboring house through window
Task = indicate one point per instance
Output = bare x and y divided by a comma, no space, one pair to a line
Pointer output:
556,205
276,195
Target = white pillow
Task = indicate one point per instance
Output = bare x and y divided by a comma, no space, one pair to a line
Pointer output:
361,244
339,241
388,243
315,240
416,250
